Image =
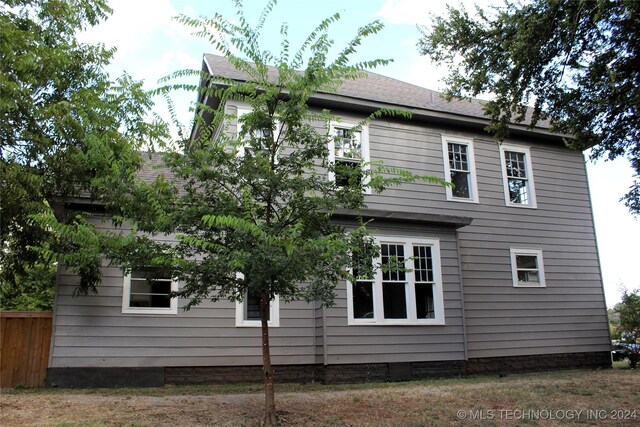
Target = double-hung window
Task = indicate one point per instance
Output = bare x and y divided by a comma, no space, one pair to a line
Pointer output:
517,176
527,268
406,288
348,148
147,292
459,168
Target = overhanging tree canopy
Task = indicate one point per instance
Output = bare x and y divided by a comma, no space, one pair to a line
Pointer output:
576,61
66,130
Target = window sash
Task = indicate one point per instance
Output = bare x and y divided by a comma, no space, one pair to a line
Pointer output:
523,273
142,295
347,145
458,157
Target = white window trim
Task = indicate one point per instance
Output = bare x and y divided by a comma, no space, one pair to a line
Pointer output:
505,180
274,315
126,300
473,183
514,268
364,145
378,308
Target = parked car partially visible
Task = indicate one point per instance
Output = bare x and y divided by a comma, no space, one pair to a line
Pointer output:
622,351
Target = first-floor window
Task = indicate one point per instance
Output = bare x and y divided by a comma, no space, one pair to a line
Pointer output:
248,311
527,268
146,291
406,288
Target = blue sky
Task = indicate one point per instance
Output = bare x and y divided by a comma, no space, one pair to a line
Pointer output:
151,45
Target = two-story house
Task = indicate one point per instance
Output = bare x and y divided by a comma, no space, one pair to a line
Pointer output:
504,272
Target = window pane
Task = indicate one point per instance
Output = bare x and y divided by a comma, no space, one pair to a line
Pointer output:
528,276
393,262
458,159
363,300
347,146
461,182
149,300
140,286
394,300
527,261
149,292
252,307
518,191
516,165
422,264
140,300
424,301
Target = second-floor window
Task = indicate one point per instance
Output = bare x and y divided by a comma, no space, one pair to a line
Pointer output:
261,137
348,149
459,168
517,176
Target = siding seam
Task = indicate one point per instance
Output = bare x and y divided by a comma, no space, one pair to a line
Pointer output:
462,309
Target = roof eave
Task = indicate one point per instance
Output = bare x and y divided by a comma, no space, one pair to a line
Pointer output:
427,115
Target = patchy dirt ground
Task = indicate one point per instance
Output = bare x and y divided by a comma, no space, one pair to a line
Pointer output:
609,397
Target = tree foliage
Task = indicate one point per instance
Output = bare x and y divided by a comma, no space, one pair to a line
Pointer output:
66,130
33,290
629,323
252,209
575,61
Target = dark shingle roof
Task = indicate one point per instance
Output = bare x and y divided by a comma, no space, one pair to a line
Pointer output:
373,88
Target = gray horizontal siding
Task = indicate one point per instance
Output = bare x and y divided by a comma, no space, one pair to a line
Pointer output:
384,343
92,331
567,315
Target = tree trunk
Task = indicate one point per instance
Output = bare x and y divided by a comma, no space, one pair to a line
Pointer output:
270,418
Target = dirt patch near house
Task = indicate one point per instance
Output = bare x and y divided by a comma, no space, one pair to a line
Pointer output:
610,397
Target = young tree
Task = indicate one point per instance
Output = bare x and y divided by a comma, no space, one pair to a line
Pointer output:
629,328
576,61
65,130
253,210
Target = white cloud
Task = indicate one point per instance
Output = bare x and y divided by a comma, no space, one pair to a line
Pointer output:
132,25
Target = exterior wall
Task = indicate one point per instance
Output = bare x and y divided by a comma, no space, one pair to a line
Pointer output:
411,343
568,316
92,331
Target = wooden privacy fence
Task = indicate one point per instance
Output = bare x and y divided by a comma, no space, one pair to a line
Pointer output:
24,348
